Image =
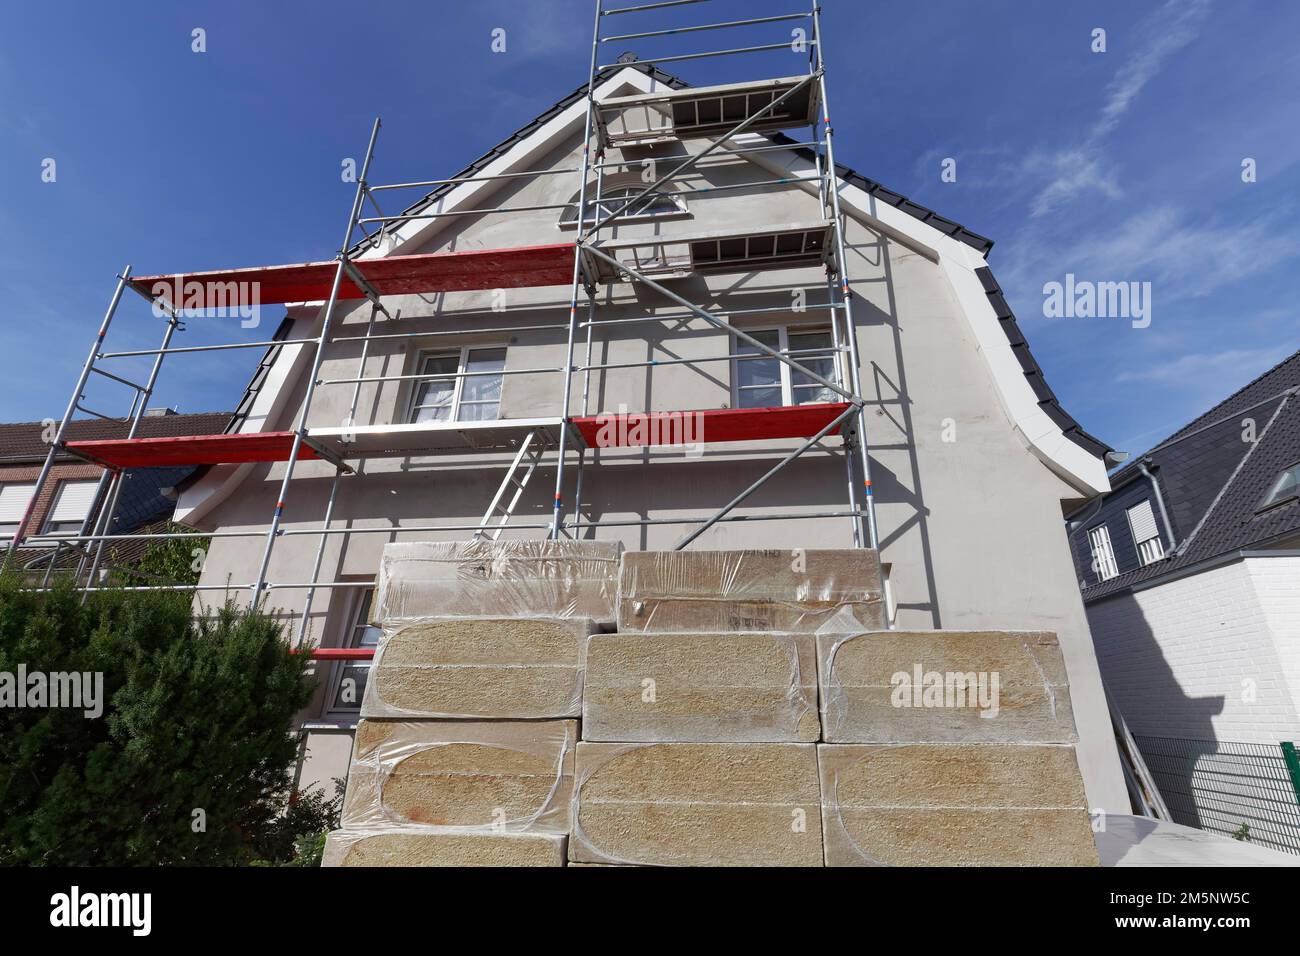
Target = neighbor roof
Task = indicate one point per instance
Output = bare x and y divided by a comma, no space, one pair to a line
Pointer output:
24,441
1213,479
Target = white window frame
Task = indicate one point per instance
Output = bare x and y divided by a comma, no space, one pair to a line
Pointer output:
49,526
356,632
1150,548
462,361
7,533
611,185
783,340
1103,553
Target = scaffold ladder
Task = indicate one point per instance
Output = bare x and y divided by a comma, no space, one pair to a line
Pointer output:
521,470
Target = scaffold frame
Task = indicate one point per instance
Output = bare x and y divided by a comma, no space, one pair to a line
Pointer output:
594,260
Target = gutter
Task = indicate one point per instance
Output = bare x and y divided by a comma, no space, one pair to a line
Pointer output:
1160,500
1206,564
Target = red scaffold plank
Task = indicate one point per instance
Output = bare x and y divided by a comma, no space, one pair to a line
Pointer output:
190,450
395,275
640,429
338,653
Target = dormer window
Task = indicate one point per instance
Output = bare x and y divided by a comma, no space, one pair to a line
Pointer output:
1285,488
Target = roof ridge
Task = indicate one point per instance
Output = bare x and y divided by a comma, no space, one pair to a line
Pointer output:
1210,411
1186,544
40,423
877,190
1199,423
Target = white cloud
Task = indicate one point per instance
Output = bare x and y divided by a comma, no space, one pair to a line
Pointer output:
1224,369
1072,172
1085,168
1181,258
1164,33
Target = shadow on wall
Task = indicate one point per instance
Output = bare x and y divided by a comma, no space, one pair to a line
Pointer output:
891,402
1153,703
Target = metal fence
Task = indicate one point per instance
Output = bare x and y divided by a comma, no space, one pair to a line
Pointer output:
1228,787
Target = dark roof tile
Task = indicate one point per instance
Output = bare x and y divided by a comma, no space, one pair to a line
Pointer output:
1214,482
23,441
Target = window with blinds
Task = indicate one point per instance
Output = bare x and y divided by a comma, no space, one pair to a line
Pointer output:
1103,555
72,504
13,505
1146,536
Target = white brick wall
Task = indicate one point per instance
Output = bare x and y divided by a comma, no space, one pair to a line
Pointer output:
1175,657
1277,585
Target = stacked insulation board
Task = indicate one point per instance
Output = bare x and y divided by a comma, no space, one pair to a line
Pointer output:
553,703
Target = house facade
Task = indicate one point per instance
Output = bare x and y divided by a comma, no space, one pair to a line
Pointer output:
1190,572
973,461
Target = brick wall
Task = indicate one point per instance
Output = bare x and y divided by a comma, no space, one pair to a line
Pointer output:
44,501
1176,657
1277,583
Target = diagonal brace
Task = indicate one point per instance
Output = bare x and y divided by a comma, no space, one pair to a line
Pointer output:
763,480
726,326
692,160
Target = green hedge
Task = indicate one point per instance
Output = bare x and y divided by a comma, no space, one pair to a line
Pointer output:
190,762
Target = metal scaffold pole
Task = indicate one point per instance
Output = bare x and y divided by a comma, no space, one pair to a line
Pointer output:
78,391
300,429
558,520
695,118
138,410
846,293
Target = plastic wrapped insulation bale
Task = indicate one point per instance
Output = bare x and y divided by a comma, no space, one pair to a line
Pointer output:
496,579
520,668
778,590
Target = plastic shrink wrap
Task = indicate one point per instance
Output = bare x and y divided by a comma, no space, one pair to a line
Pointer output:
697,804
520,668
496,579
758,687
796,590
507,776
954,805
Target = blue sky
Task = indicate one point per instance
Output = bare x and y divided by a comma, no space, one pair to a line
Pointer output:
1115,166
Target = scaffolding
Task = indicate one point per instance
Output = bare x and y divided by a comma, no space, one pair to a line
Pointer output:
715,114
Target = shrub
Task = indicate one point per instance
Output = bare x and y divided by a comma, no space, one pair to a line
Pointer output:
190,762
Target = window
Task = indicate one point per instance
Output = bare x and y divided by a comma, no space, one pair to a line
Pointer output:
473,395
1285,488
348,682
1103,556
14,499
72,504
1146,537
613,198
766,382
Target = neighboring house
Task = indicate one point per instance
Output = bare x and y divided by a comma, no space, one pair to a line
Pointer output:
74,493
973,459
1190,570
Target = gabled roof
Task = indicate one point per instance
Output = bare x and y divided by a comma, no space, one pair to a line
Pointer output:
1213,480
1049,432
1047,400
875,189
24,441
